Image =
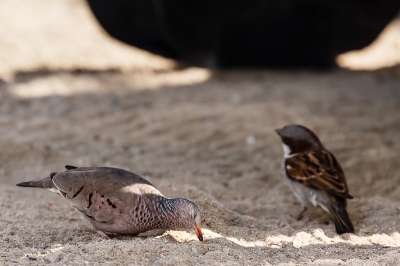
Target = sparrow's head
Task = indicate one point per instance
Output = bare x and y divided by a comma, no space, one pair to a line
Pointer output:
297,139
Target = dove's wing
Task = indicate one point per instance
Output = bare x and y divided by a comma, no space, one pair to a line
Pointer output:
102,193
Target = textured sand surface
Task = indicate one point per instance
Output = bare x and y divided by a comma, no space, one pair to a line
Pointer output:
208,137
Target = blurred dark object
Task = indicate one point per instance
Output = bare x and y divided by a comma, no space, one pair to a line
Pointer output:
252,33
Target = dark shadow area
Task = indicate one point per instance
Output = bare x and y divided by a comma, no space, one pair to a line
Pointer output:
258,33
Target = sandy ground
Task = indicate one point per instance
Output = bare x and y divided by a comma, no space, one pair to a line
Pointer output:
205,136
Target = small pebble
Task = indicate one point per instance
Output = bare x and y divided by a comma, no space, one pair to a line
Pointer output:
250,140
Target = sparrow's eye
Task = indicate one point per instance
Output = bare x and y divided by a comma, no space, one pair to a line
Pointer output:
192,214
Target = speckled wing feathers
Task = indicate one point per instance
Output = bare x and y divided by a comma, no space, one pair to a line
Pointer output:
318,170
102,193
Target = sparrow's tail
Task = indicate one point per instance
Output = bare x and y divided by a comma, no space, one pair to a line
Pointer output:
340,216
46,183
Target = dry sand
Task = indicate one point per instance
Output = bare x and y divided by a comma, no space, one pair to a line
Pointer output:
204,136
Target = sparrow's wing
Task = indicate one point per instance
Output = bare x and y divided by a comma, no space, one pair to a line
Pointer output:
318,170
102,193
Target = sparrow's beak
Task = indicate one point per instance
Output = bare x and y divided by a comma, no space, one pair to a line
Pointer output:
199,233
279,131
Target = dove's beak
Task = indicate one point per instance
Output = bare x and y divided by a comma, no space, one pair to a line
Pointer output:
199,233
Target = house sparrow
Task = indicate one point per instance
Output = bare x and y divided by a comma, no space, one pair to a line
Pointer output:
314,175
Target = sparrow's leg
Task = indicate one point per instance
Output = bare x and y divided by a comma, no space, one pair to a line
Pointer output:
300,215
101,232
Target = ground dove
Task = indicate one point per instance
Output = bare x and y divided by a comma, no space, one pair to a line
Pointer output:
118,201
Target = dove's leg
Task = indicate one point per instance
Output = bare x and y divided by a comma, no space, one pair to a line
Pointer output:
300,215
92,221
101,232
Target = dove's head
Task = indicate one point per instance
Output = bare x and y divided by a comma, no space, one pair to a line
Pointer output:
188,217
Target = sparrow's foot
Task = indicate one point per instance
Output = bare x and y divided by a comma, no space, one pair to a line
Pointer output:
101,232
300,215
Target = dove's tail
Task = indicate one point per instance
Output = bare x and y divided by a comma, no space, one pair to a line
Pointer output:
340,216
46,183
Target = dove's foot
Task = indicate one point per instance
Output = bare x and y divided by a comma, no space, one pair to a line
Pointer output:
101,232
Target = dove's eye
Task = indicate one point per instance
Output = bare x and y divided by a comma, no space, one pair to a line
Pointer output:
192,214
